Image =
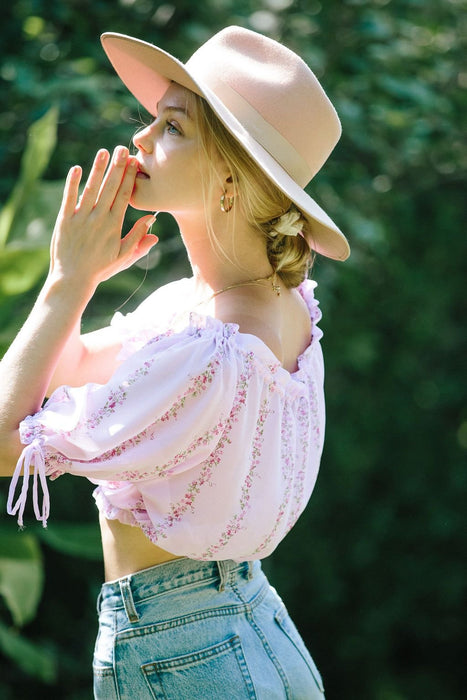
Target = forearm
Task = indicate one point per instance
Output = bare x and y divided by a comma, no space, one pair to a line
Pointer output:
27,367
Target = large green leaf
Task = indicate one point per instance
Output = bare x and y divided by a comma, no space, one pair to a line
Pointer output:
35,221
31,658
21,268
21,575
42,137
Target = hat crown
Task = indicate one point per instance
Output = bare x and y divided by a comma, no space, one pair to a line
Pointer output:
241,66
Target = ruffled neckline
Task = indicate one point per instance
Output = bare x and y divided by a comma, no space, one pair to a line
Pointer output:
199,321
176,319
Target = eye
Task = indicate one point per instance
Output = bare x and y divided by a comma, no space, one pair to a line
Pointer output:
172,129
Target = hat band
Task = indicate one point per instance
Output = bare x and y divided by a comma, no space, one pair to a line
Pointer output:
262,131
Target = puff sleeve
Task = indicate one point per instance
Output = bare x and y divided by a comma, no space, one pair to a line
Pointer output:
162,411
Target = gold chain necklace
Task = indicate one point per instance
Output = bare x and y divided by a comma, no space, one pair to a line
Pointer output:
271,278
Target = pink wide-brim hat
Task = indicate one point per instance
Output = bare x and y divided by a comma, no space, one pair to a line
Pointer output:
264,94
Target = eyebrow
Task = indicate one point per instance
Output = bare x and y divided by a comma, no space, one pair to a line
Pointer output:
174,108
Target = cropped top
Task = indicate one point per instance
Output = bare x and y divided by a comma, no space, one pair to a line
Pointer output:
200,437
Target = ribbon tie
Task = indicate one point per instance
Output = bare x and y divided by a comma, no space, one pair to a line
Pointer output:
30,456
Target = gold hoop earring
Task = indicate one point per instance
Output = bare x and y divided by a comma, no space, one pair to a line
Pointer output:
229,206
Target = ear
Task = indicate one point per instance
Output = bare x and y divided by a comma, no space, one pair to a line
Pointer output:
229,188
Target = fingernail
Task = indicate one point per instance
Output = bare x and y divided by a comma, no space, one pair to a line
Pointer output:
151,221
121,153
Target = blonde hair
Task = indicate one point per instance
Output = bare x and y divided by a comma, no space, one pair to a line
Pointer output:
267,209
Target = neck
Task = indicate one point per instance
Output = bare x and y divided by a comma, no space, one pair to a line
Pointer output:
242,258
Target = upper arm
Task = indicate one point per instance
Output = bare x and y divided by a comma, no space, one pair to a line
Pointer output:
91,357
99,358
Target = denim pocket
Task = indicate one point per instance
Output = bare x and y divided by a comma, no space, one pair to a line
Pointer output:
287,626
218,669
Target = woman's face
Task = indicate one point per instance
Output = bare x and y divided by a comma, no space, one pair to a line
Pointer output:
173,166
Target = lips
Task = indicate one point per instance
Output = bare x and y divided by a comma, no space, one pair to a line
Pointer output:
141,174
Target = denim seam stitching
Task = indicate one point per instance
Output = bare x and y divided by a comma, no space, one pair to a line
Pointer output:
279,617
264,641
180,621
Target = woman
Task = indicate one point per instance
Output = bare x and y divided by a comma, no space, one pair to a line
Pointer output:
199,416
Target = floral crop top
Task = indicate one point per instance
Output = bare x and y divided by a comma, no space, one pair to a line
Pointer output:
200,437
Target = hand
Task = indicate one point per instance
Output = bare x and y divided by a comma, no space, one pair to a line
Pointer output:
86,246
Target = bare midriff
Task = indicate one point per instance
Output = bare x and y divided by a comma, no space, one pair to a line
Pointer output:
127,549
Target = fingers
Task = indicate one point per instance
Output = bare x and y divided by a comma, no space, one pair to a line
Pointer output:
138,241
134,246
107,180
91,191
121,173
70,192
111,186
123,194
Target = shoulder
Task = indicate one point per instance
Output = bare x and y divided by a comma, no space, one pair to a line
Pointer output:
260,327
283,323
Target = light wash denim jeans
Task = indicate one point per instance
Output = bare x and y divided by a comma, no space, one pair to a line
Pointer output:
190,630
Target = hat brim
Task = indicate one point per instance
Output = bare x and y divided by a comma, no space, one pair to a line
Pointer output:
147,72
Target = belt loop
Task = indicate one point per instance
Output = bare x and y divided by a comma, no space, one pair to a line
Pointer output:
224,573
128,602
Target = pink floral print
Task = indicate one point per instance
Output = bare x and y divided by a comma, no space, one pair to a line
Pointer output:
200,438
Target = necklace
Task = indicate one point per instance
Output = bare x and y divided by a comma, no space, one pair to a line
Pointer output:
271,278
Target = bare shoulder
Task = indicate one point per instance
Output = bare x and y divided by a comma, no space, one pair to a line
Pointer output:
262,328
282,323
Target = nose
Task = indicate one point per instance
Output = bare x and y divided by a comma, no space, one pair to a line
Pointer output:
142,139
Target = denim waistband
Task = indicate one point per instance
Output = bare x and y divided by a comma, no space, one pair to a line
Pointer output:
171,575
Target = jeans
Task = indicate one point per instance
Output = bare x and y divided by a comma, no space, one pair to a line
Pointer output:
192,630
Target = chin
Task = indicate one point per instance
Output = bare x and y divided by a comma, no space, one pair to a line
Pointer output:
140,206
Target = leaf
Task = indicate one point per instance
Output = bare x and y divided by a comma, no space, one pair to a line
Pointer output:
35,221
42,137
21,575
30,657
21,268
80,540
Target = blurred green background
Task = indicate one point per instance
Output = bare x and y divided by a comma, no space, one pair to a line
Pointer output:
374,572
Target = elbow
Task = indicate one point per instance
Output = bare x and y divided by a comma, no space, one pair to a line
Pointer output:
10,451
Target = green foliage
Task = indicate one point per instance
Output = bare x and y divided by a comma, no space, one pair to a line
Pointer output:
374,572
21,583
21,269
42,137
29,657
25,221
21,576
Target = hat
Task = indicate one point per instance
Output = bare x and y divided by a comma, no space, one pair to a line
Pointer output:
264,94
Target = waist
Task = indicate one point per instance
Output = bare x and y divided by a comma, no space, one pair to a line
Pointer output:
126,549
173,576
